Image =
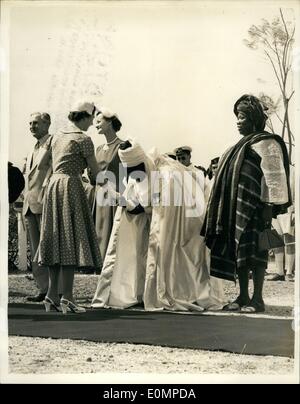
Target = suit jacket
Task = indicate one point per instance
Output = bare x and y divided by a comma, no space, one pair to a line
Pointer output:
35,182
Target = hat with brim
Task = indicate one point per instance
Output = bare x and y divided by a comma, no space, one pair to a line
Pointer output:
107,113
84,106
183,150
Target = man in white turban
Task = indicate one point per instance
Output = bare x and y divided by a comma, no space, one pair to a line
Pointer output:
121,282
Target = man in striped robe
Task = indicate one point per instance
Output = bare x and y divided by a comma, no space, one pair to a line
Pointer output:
251,186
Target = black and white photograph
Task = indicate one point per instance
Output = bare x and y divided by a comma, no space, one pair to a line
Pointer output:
149,190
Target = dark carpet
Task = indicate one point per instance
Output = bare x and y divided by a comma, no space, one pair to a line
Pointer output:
238,334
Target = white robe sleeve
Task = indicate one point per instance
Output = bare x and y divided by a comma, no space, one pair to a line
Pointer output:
274,188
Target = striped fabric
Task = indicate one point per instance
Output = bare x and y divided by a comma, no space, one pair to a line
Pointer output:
233,220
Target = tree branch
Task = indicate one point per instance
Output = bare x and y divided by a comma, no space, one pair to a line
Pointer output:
276,113
264,39
288,99
284,56
281,121
274,68
270,125
288,56
284,125
285,27
286,42
280,63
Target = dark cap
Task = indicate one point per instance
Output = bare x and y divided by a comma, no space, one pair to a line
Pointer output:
215,160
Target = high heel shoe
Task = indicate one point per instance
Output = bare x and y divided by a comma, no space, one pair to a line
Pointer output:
67,305
48,303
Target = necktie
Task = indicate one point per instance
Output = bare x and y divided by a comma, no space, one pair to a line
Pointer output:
34,154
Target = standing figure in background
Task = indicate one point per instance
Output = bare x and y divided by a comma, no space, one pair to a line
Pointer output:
68,237
209,179
216,284
285,226
213,167
35,180
251,187
184,155
108,124
16,182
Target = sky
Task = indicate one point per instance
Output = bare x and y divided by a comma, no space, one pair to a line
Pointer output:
170,70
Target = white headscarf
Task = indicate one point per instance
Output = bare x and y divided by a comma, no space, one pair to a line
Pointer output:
133,156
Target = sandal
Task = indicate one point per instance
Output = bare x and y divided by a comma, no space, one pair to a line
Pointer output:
253,307
67,305
236,305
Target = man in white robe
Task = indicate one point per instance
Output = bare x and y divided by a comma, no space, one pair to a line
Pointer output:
121,282
158,255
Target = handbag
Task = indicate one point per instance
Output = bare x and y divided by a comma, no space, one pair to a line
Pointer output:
269,239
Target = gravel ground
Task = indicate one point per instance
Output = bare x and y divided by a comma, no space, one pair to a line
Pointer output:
279,296
46,355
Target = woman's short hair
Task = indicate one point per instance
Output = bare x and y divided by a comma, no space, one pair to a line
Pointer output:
115,122
111,117
75,116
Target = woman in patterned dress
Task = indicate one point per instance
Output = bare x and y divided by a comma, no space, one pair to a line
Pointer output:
68,237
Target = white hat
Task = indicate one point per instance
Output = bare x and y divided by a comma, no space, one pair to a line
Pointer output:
107,113
84,106
183,149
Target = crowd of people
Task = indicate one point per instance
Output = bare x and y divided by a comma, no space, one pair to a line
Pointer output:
160,231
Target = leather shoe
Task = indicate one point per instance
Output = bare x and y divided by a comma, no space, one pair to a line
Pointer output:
38,298
236,305
290,278
276,277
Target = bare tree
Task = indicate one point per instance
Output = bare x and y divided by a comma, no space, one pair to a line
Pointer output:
276,40
271,108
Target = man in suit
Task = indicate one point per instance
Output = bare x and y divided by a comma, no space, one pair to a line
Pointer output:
32,208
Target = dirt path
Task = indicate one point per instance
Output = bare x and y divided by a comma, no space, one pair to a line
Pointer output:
45,355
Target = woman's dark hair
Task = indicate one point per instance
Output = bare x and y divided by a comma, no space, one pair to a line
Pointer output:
115,122
75,116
